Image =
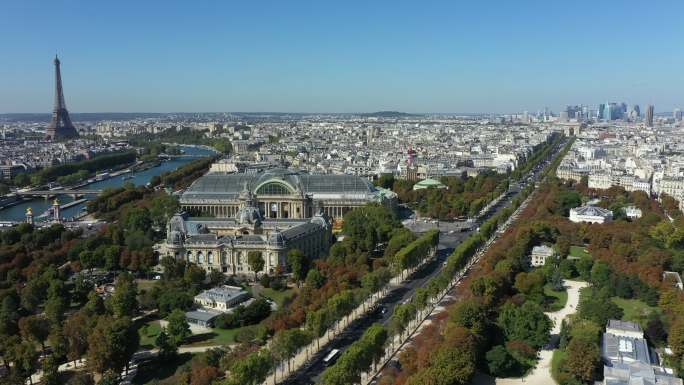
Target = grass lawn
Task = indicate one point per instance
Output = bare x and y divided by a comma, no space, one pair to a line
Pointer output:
578,251
153,371
277,296
148,333
635,310
217,336
558,356
557,299
145,284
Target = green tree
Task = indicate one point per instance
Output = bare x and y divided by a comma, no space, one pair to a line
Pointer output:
314,279
22,180
251,370
58,342
527,323
50,366
299,265
25,359
597,306
286,343
95,304
499,362
676,337
35,328
111,344
76,328
531,284
167,348
8,316
470,314
178,327
124,302
194,275
54,309
256,262
600,274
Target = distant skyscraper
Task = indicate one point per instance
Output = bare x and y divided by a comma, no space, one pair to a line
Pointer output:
677,114
60,126
649,115
637,110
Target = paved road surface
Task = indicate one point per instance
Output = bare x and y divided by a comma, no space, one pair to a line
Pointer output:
310,372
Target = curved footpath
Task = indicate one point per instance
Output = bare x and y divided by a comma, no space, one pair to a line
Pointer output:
541,374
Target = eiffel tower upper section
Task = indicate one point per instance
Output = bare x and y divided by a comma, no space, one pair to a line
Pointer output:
60,126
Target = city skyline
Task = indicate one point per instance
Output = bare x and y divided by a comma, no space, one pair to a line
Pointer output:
437,57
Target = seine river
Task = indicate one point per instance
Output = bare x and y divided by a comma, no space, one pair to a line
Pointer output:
40,205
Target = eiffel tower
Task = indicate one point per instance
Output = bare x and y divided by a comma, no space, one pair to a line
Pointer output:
60,126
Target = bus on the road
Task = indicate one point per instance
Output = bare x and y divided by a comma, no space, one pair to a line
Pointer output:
331,357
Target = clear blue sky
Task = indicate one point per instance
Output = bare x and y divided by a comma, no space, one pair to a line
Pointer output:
340,56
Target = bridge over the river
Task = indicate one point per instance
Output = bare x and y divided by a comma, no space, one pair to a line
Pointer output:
49,193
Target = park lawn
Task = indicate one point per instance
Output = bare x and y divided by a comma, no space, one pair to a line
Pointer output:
635,310
558,356
560,298
277,296
217,336
145,284
147,336
153,372
578,252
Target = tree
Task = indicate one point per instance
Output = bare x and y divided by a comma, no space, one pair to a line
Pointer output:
531,284
31,295
194,275
286,343
499,362
527,323
583,359
25,359
54,309
111,344
95,304
216,278
8,316
57,342
81,379
50,367
596,305
676,337
173,298
76,328
109,378
450,365
299,265
124,302
167,348
178,327
314,279
470,314
251,370
601,273
256,262
36,328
